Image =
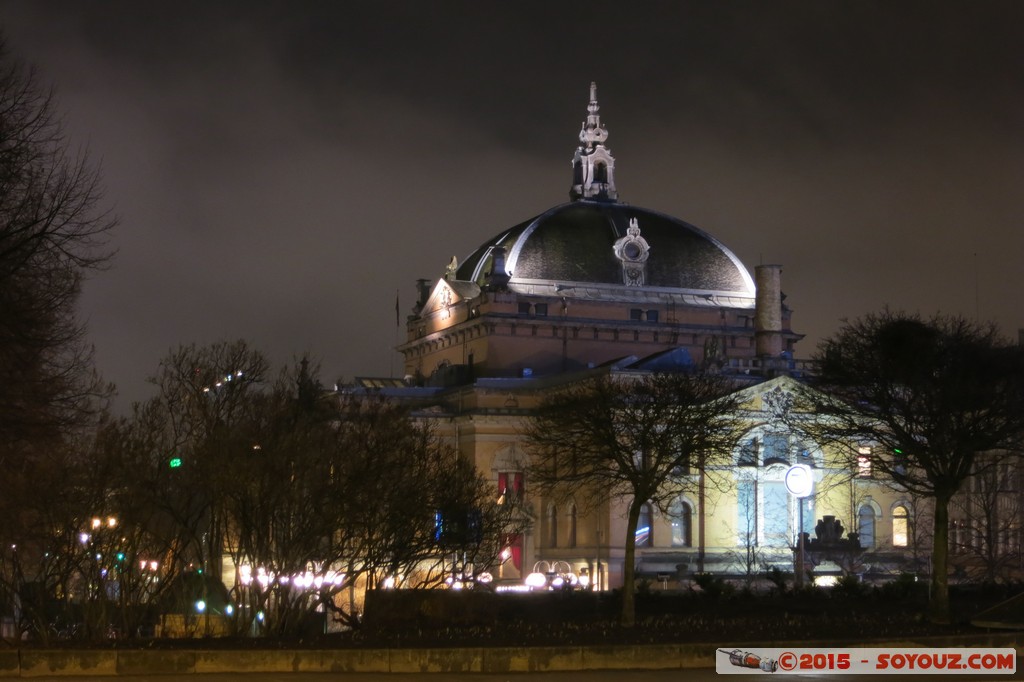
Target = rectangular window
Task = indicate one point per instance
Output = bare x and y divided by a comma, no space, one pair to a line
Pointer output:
652,315
681,469
748,453
513,550
541,309
776,514
502,487
809,513
1006,478
524,308
636,314
776,447
863,462
510,486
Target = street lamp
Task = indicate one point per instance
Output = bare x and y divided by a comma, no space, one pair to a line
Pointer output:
800,484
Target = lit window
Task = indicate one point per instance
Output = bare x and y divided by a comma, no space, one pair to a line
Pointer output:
512,548
510,486
900,526
644,532
682,522
864,462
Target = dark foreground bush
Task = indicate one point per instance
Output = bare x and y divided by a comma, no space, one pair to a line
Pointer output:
853,612
457,619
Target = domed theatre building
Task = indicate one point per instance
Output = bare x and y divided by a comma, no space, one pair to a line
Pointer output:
599,285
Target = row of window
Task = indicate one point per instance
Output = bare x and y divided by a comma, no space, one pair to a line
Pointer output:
538,309
541,310
639,314
769,448
510,487
866,526
680,515
966,536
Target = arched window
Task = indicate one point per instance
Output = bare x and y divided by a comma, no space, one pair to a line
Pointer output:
776,448
600,173
866,526
900,526
644,531
682,524
572,525
553,526
748,453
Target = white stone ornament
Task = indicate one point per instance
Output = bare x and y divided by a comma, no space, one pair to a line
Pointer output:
633,251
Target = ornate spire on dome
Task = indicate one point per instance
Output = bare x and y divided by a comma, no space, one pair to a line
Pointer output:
593,166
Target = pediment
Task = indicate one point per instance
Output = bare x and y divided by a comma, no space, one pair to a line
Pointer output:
447,294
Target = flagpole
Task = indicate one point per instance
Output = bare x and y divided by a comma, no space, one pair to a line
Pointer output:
398,326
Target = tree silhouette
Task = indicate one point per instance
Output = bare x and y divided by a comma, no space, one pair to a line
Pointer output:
641,438
921,400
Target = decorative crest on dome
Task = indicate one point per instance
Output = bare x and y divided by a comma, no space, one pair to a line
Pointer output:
593,165
633,251
453,267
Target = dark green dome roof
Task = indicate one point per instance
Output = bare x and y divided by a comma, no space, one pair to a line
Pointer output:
583,248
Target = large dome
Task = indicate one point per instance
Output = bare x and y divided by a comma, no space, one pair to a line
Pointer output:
602,249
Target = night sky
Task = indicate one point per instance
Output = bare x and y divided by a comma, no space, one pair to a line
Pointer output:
282,169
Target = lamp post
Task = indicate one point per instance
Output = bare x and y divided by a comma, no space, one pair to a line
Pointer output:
800,483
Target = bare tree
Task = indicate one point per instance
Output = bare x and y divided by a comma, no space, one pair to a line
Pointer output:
306,495
52,230
985,523
641,438
424,515
917,401
42,560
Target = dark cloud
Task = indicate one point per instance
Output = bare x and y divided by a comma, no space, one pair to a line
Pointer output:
283,168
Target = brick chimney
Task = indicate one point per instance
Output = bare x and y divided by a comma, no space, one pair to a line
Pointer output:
768,310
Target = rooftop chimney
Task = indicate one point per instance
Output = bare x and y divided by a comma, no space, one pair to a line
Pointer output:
768,310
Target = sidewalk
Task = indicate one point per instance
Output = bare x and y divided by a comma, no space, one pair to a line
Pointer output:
145,662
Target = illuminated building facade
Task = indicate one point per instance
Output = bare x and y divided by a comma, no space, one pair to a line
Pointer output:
599,285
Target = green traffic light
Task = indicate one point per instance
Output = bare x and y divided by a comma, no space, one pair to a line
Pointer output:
175,462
